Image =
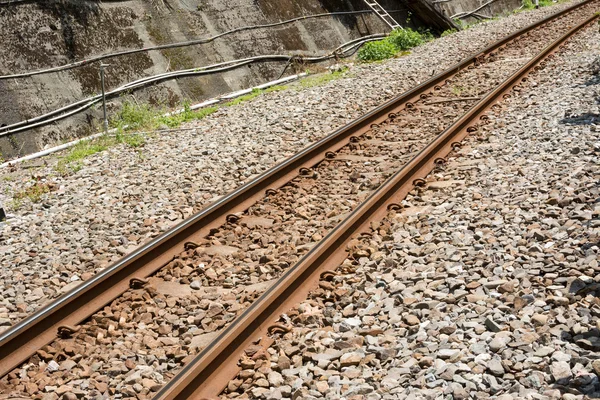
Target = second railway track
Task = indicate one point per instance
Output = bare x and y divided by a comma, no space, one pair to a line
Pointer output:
206,273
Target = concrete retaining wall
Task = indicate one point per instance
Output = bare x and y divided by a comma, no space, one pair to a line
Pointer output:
39,35
36,36
498,7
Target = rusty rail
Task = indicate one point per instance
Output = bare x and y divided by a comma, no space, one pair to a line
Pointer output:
208,374
23,339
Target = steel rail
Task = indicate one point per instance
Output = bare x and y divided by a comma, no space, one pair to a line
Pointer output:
208,374
23,339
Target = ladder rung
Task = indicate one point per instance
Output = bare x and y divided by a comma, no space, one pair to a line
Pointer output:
383,14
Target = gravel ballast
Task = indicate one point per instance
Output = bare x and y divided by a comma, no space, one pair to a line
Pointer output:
485,285
139,341
123,197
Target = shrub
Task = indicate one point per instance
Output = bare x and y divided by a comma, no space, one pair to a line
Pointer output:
135,116
448,32
377,50
405,39
427,36
399,40
530,5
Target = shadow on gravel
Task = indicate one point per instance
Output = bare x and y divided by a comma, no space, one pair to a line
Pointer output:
574,387
580,375
594,80
582,119
595,70
580,382
577,379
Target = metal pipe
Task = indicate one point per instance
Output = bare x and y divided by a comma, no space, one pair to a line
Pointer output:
178,44
102,66
215,68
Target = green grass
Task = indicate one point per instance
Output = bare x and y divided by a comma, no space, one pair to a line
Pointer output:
132,117
87,148
276,88
242,99
464,26
530,4
255,93
399,41
321,79
72,161
457,90
33,193
175,120
136,117
448,32
134,140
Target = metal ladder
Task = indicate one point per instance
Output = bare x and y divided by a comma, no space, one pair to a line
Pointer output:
385,17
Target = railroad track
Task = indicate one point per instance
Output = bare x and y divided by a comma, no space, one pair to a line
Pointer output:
220,250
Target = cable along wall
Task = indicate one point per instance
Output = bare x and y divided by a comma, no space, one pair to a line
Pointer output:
50,39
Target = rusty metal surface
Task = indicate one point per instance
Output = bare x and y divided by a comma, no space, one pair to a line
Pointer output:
22,340
208,374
